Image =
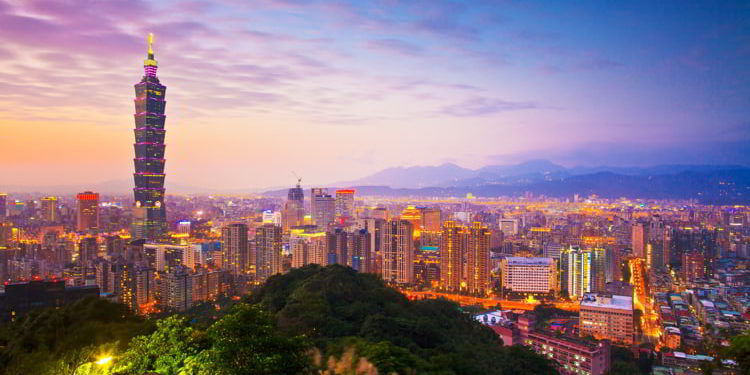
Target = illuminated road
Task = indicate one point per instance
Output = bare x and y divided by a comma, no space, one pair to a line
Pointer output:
642,301
486,302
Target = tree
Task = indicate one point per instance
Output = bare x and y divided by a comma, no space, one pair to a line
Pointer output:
247,342
739,350
165,351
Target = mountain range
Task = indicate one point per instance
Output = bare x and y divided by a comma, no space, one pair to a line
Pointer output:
529,172
711,184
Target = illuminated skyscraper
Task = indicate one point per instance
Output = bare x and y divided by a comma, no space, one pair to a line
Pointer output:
268,244
451,255
294,209
398,252
234,246
640,239
344,203
49,209
87,214
3,205
478,258
150,210
323,207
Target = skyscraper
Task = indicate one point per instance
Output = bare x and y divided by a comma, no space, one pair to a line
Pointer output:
49,209
234,247
640,239
323,207
3,205
150,210
344,203
478,258
87,211
294,209
398,252
451,254
583,271
268,251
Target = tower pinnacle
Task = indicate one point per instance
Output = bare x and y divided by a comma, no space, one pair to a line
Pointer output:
150,60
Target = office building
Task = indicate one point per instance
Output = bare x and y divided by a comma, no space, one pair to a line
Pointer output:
509,227
323,207
87,211
524,277
344,204
431,220
268,251
150,217
20,298
640,239
398,252
693,266
607,316
3,206
294,209
49,209
584,271
571,356
234,247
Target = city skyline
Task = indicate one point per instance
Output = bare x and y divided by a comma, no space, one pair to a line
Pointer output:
279,87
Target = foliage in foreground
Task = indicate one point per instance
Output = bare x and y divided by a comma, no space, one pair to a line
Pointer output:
339,309
313,320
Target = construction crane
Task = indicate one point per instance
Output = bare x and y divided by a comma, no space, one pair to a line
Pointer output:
299,180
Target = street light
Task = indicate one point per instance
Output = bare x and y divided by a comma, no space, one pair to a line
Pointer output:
104,360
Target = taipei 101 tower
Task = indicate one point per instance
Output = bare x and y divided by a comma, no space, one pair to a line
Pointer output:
149,211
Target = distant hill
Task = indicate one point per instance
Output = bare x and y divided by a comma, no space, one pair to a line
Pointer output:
525,173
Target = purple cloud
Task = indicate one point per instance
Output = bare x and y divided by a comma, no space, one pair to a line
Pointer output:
479,106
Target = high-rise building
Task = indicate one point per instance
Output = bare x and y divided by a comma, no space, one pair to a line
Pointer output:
431,220
323,207
509,226
451,255
523,277
268,251
583,271
87,211
398,252
478,258
360,254
3,205
294,208
693,266
150,219
308,247
49,209
338,247
640,239
344,203
607,317
234,246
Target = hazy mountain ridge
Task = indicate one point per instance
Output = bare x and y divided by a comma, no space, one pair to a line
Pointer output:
724,187
447,175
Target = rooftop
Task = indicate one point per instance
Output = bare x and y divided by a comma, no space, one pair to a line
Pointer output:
607,301
529,261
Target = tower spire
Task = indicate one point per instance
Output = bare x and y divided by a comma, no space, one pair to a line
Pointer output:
150,60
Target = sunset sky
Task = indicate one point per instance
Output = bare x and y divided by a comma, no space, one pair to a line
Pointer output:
338,90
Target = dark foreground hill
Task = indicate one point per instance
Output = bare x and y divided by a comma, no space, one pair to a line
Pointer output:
340,309
313,320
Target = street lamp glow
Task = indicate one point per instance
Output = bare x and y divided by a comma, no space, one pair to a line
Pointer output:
104,360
